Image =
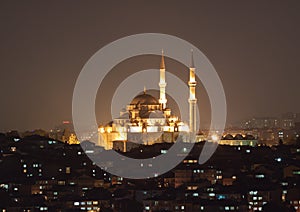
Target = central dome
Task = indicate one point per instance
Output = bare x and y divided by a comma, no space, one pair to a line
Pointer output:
144,99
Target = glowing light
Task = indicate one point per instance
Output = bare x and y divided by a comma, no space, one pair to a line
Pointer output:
101,130
215,138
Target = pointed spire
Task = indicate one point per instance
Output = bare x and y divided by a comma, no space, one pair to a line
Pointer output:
144,89
162,62
192,59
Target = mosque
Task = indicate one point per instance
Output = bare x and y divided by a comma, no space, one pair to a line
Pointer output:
148,120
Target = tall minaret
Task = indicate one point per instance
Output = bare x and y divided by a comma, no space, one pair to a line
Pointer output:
162,82
192,100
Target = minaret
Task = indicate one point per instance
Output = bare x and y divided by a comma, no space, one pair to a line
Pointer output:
192,100
162,82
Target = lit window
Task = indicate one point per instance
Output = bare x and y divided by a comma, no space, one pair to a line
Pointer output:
163,151
211,194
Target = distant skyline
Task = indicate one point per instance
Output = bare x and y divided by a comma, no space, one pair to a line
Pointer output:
254,47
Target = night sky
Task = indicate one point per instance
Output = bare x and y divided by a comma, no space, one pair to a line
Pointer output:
254,46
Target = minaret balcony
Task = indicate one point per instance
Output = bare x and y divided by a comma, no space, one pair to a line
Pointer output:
192,83
192,100
162,84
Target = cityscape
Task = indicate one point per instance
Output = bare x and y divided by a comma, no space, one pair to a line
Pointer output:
255,168
153,153
49,171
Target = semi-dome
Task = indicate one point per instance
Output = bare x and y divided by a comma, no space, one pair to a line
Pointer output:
152,114
144,99
228,137
238,137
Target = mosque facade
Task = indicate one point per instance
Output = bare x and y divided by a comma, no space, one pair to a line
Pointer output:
148,120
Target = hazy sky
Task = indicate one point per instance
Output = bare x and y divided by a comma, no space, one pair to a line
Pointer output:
253,45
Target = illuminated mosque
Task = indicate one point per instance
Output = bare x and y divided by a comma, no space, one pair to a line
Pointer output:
148,120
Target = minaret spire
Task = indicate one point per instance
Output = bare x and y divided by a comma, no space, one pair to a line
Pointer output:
162,82
162,62
192,100
192,59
